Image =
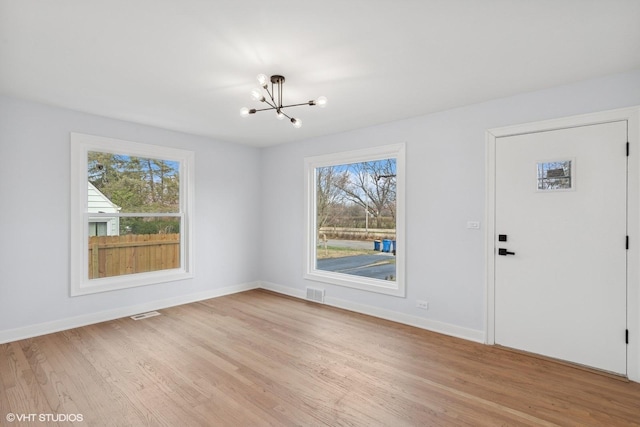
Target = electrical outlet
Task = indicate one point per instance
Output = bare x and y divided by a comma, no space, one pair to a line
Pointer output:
422,304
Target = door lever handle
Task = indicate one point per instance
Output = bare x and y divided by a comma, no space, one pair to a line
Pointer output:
504,252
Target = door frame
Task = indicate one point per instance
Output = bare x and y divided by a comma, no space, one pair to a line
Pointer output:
632,116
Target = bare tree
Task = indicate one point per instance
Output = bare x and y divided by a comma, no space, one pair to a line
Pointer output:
328,192
372,185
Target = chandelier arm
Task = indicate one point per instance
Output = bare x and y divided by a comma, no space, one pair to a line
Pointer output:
272,92
271,96
270,104
296,105
267,109
284,114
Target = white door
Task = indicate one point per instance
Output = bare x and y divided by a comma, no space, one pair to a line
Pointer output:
560,288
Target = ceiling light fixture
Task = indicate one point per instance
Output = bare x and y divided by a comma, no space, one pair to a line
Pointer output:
274,99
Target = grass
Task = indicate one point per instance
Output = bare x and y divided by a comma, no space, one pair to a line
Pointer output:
339,252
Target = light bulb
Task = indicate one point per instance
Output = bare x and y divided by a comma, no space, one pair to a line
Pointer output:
279,115
297,123
244,112
262,79
257,95
321,101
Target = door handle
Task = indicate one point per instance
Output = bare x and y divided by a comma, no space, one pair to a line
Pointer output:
504,252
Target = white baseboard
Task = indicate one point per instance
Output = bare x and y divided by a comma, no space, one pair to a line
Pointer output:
284,290
103,316
395,316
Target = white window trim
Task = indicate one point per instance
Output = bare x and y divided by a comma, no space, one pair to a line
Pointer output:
81,144
397,288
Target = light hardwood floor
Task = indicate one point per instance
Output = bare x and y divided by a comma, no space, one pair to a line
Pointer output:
257,358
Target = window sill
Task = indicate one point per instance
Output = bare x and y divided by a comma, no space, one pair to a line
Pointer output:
128,281
386,287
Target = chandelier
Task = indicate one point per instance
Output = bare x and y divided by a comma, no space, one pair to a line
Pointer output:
274,99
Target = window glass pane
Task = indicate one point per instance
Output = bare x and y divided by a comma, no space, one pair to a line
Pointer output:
123,183
120,184
98,228
101,228
143,244
356,219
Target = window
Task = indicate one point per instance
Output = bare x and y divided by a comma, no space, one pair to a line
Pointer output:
130,210
355,219
97,228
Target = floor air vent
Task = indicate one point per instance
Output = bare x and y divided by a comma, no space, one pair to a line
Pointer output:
145,315
316,295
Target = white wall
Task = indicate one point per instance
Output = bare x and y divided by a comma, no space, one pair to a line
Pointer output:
34,244
249,209
445,189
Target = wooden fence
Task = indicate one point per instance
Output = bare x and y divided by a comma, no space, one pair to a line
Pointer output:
132,253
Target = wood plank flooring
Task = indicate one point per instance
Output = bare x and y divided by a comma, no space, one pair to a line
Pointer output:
258,358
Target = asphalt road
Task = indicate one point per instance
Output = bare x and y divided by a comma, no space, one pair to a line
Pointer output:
360,265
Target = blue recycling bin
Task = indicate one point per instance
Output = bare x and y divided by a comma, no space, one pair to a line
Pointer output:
386,245
376,245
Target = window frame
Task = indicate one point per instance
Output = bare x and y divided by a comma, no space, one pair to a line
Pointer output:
81,145
395,288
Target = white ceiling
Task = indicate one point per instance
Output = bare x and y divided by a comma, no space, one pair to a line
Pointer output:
189,65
